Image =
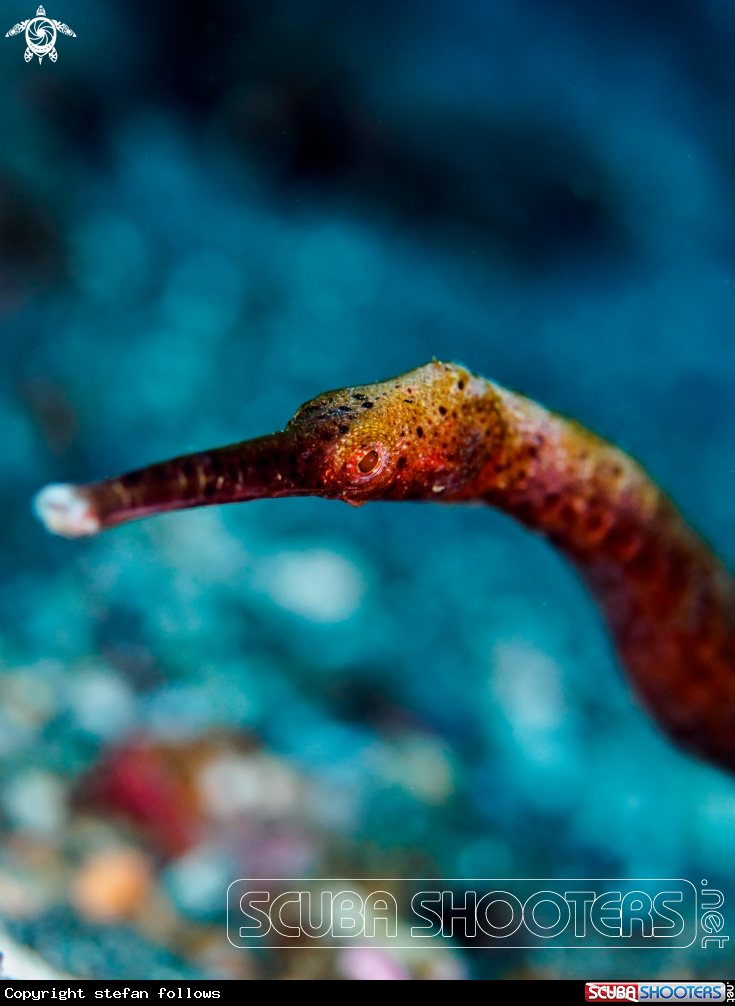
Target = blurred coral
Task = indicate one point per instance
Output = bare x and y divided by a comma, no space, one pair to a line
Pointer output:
365,964
148,785
112,885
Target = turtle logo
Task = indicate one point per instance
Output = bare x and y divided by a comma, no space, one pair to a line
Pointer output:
40,35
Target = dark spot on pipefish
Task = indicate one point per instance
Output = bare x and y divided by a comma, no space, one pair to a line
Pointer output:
442,410
344,429
359,397
419,432
460,385
367,405
402,462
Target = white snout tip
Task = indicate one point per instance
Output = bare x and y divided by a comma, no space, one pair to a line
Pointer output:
65,511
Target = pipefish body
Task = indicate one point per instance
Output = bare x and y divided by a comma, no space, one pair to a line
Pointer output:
442,434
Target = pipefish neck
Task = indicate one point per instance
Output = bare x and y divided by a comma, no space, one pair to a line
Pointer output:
442,434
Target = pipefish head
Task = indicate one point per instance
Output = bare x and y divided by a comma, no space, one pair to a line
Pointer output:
412,437
424,435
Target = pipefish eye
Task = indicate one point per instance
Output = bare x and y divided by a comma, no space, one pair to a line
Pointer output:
368,462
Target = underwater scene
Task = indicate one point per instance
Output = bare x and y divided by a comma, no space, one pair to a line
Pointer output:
210,213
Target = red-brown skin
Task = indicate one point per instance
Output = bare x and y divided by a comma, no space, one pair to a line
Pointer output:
440,433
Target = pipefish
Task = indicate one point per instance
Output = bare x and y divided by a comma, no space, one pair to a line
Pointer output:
443,434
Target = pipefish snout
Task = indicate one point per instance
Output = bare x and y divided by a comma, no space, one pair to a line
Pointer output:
440,433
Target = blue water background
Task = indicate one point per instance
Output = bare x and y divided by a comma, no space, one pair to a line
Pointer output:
542,191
